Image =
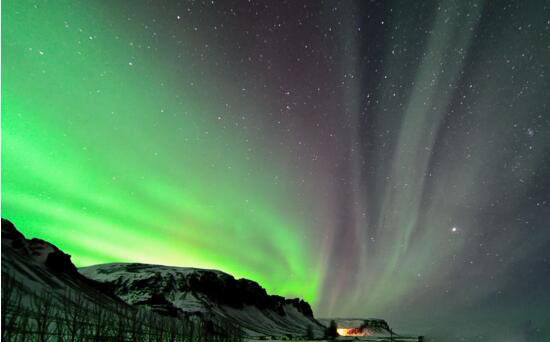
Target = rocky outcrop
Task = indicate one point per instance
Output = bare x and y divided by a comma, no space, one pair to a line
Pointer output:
37,250
225,290
40,265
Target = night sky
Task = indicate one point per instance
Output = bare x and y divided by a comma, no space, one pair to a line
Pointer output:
379,159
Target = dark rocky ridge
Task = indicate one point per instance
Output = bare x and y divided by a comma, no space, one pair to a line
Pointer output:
52,257
226,290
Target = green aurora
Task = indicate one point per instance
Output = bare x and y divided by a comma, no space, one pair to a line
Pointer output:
98,160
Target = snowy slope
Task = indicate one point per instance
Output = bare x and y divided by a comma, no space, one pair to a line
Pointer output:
208,293
41,266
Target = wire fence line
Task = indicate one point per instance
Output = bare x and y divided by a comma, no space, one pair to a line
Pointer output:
73,316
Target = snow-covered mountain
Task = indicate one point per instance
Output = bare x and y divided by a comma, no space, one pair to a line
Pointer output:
45,298
176,291
207,293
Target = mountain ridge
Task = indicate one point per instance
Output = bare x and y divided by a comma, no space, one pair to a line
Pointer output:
212,295
207,293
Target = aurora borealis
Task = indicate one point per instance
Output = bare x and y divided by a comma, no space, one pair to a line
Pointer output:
378,159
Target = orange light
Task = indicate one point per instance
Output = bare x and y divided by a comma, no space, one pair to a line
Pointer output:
352,332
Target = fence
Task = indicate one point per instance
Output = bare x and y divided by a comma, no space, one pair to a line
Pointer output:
75,316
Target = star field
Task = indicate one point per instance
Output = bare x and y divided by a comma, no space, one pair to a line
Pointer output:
378,158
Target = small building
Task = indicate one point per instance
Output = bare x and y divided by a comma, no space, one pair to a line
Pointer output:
374,327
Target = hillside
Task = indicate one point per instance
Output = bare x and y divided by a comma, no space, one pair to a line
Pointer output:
207,293
36,274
